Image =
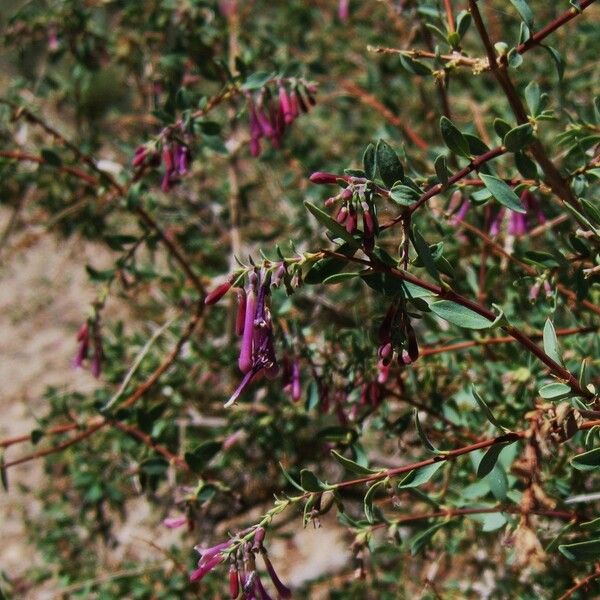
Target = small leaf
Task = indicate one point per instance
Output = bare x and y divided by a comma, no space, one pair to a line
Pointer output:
421,539
310,482
524,11
198,458
290,478
388,164
459,315
588,461
424,254
3,473
501,128
51,157
421,475
491,521
532,97
423,436
441,169
463,21
368,501
351,465
489,460
498,482
36,436
338,277
581,551
555,391
257,80
526,166
453,138
332,225
369,164
558,61
551,347
414,66
502,192
518,138
404,195
486,410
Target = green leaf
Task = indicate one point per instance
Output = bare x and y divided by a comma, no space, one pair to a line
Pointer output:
581,551
453,138
501,128
459,315
555,391
441,169
290,479
588,461
339,277
502,192
3,472
310,482
388,164
476,145
590,211
532,97
424,253
491,521
51,157
558,61
369,162
498,482
421,475
486,410
463,21
526,166
404,195
368,501
518,138
551,347
414,66
489,459
155,465
423,437
524,11
257,80
332,225
352,466
198,458
421,539
36,436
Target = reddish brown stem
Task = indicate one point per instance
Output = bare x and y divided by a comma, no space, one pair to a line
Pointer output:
581,584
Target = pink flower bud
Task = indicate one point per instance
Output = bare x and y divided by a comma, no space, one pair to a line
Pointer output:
548,289
342,215
241,311
534,291
174,522
214,296
234,583
344,10
321,177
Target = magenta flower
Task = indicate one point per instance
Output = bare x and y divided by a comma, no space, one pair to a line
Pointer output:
88,336
83,337
174,522
214,296
344,10
209,559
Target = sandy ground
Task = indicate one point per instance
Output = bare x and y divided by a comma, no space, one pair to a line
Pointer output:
44,295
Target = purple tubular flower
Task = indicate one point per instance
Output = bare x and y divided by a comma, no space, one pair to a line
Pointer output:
165,184
260,589
214,296
497,222
459,216
182,156
174,522
344,10
534,291
517,225
342,215
296,384
294,104
241,312
279,275
140,156
383,371
245,359
321,177
282,590
264,348
286,105
83,337
405,358
259,538
547,289
234,583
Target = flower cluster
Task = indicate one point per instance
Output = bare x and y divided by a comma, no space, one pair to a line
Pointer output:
175,157
353,200
89,337
244,579
270,114
254,324
396,337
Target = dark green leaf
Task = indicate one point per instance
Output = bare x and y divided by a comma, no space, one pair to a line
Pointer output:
489,459
257,80
423,437
459,315
486,410
555,391
524,11
198,458
369,164
404,195
532,97
388,164
588,461
551,347
51,157
290,478
339,277
368,501
441,170
526,166
502,192
518,138
501,128
453,138
332,225
414,66
421,475
421,539
463,21
351,465
424,254
582,551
